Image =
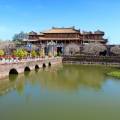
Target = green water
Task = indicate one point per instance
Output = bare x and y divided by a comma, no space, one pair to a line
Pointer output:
68,92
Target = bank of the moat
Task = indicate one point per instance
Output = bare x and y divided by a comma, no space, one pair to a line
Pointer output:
113,61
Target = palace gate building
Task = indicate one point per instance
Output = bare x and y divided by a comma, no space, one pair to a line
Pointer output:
63,37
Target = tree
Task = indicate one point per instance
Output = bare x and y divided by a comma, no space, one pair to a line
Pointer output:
33,53
115,50
7,46
20,36
72,49
42,52
93,48
50,54
20,53
1,53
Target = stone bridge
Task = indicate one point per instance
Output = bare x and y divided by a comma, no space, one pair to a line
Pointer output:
27,65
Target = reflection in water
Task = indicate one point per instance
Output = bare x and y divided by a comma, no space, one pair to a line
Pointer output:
36,70
26,73
71,77
13,77
68,77
20,86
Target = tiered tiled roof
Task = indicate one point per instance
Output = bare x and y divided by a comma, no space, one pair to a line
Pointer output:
86,33
32,33
99,32
43,38
62,30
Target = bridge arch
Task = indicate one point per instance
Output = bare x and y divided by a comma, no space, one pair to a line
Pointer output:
13,71
27,68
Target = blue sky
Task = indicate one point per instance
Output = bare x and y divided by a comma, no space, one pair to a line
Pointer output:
39,15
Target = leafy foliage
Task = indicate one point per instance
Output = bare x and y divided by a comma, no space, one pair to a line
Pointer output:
93,48
20,36
50,54
1,53
115,50
72,49
42,53
20,53
33,53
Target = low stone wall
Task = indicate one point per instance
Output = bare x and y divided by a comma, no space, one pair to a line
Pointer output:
20,66
93,60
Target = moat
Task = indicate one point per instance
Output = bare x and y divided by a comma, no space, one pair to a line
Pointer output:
65,92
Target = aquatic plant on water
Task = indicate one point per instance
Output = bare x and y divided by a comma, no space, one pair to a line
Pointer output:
114,74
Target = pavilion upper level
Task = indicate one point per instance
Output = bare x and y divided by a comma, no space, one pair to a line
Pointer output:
67,34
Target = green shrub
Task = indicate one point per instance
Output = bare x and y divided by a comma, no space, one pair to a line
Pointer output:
20,53
33,53
1,53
